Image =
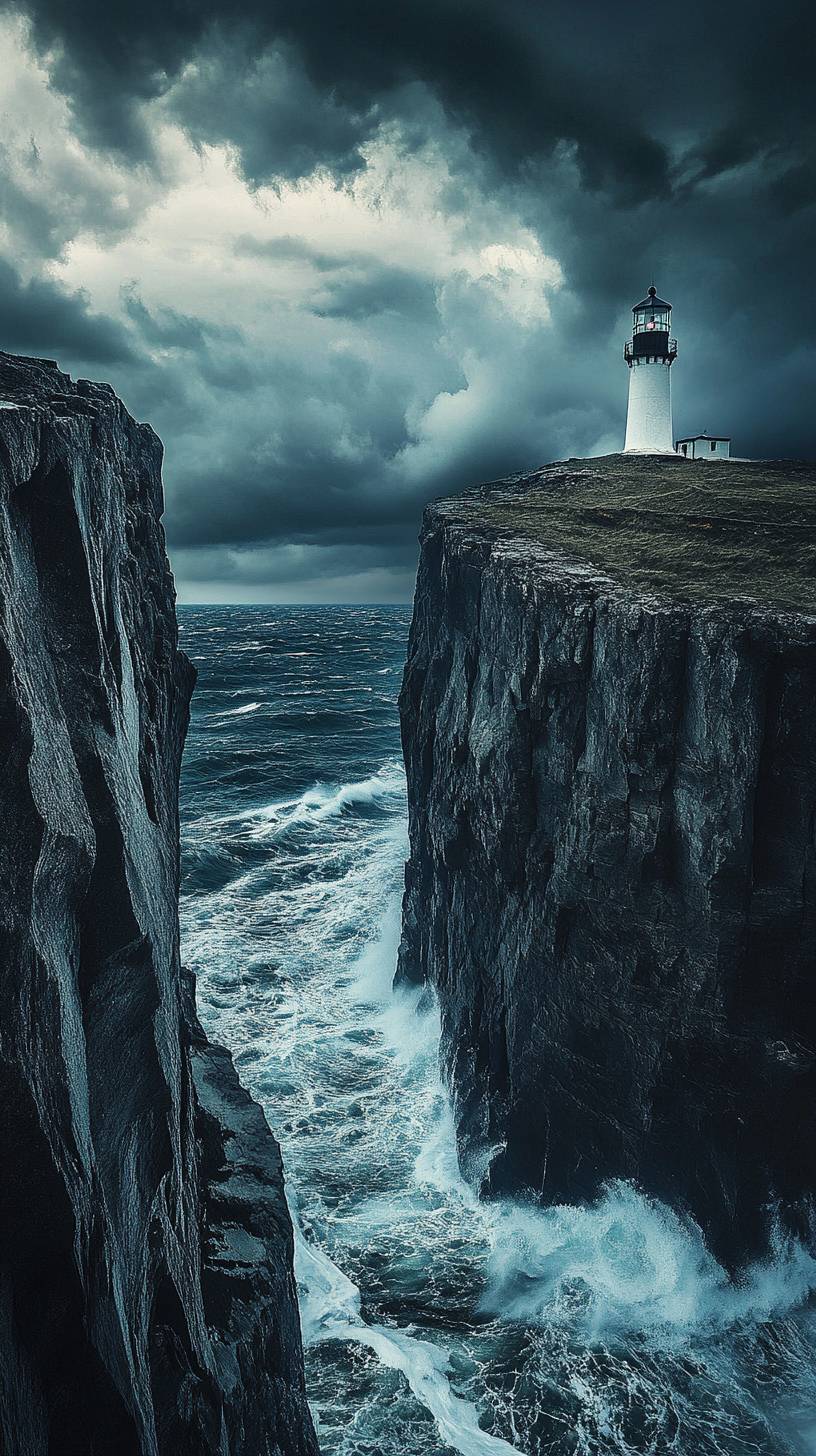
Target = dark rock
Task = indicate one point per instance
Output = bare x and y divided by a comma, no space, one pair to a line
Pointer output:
147,1301
612,881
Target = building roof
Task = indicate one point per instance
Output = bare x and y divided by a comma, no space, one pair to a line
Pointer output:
651,301
687,439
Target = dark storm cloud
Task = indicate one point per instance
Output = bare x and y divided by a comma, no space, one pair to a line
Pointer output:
300,489
638,109
301,498
268,108
346,573
524,77
631,140
40,317
296,85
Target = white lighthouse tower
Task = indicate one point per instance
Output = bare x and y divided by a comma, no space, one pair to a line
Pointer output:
650,354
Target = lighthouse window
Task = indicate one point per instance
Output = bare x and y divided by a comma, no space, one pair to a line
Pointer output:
713,444
648,321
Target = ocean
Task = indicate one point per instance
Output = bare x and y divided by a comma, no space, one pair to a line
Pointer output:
434,1324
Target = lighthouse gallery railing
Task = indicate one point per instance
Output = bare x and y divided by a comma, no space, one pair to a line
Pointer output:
630,352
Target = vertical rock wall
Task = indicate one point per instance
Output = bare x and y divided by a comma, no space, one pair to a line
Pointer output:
147,1300
612,881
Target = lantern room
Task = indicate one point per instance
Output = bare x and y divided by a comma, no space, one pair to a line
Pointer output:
652,315
650,331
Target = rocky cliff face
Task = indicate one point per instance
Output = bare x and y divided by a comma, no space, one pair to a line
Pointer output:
147,1300
611,757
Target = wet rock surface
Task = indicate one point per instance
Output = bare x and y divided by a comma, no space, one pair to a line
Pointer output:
147,1298
612,877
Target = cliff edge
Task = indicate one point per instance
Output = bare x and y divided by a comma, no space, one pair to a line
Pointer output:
609,726
147,1300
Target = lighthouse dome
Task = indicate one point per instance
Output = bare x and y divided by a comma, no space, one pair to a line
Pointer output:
651,301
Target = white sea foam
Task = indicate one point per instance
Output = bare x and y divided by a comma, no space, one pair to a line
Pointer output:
239,712
624,1263
629,1263
324,801
624,1276
329,1301
330,1310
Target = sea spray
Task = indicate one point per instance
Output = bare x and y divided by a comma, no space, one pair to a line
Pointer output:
624,1262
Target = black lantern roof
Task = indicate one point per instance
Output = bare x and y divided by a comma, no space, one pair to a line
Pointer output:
652,301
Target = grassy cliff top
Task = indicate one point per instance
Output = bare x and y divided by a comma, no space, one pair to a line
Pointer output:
733,531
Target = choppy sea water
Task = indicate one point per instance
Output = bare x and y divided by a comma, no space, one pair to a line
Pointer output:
434,1324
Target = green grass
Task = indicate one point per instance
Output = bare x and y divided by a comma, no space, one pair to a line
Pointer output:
738,530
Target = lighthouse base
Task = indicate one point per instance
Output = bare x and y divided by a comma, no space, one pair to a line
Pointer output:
649,416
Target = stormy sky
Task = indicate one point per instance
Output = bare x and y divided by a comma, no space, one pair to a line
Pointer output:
349,256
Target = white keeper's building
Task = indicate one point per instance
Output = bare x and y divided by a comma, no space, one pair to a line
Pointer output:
704,447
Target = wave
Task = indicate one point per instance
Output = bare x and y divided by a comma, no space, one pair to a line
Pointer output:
324,801
624,1264
330,1310
330,1301
629,1263
239,712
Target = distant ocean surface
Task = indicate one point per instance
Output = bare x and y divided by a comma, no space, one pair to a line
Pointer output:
434,1324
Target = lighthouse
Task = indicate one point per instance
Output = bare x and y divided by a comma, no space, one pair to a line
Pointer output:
650,354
